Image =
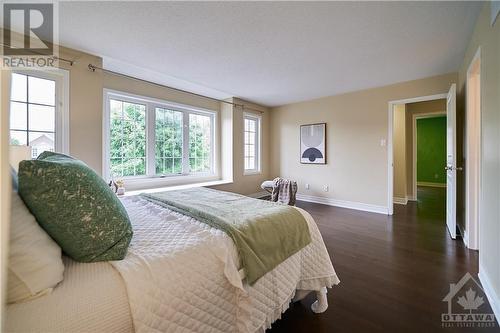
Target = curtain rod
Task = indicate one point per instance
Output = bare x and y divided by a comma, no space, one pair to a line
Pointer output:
70,62
93,68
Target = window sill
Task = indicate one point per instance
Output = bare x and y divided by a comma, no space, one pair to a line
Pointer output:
178,187
252,172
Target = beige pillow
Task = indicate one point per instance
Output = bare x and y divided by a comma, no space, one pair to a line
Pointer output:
35,260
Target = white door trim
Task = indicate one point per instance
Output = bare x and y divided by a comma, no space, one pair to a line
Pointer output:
414,144
390,153
472,227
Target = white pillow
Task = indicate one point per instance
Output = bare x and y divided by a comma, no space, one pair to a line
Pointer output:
35,260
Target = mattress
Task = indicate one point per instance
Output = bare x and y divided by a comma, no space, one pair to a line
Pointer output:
91,298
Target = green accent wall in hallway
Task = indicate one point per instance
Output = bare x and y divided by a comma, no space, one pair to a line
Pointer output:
431,150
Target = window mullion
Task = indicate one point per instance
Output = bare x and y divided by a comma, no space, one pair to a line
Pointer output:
185,143
150,140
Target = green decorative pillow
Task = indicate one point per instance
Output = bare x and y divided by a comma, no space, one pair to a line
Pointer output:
75,207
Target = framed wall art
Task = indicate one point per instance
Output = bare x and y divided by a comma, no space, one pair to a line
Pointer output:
313,143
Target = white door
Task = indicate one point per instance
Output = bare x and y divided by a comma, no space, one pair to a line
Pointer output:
451,162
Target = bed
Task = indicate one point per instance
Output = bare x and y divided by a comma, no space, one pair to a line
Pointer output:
179,275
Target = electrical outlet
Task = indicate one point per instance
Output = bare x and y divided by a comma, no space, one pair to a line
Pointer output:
307,186
326,188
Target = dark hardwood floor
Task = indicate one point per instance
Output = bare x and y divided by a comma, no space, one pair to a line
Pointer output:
394,271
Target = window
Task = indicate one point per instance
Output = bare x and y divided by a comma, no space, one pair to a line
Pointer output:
252,142
149,138
37,112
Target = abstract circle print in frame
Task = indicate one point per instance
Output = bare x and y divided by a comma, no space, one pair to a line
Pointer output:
312,143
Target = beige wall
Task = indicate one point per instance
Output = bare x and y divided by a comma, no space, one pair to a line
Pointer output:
412,109
399,149
131,86
356,123
85,107
488,38
248,184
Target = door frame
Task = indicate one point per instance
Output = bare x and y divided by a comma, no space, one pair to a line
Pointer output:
471,233
415,117
390,152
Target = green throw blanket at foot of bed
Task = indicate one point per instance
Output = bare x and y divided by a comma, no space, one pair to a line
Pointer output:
265,233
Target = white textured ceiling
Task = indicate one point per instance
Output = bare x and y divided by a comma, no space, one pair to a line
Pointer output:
272,53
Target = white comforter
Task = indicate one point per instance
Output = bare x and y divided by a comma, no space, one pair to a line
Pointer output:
179,276
182,276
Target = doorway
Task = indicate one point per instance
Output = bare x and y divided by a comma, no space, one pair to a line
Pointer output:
451,155
469,229
400,147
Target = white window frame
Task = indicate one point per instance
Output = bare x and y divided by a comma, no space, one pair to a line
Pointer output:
61,127
150,179
258,144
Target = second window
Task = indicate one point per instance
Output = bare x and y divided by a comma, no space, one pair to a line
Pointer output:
251,140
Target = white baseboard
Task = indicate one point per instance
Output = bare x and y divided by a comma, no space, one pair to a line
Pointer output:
492,296
400,201
429,184
343,203
465,238
258,194
412,198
